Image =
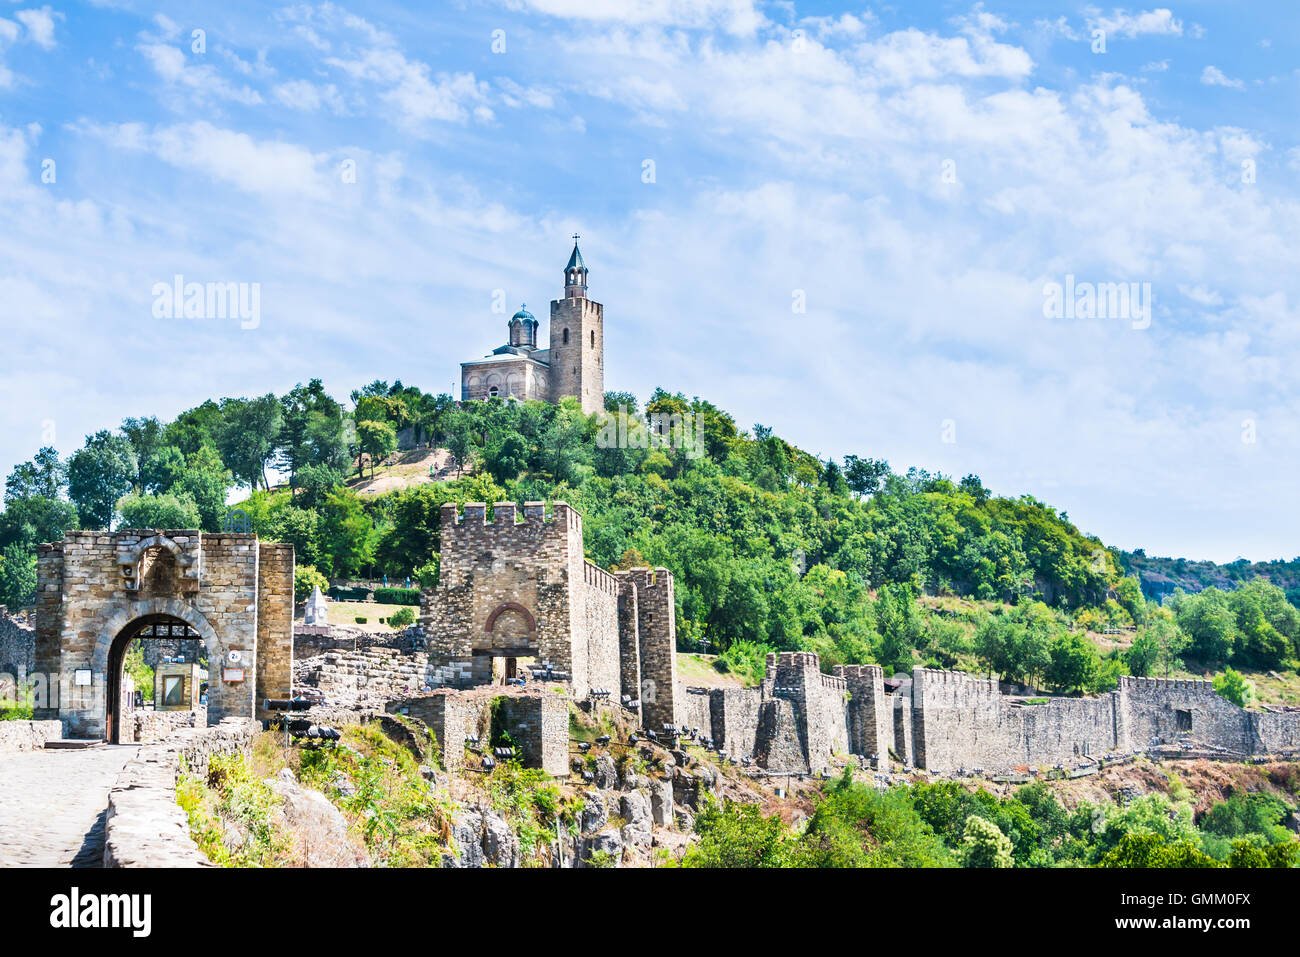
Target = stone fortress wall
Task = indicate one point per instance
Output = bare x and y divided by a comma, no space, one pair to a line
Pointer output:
519,587
948,721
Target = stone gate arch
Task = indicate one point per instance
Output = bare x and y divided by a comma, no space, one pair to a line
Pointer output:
95,592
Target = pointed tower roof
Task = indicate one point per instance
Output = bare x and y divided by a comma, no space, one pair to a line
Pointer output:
575,261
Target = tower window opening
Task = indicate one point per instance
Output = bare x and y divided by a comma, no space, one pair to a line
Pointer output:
566,337
593,338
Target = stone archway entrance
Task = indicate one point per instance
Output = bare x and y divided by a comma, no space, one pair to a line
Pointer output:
509,635
157,627
99,590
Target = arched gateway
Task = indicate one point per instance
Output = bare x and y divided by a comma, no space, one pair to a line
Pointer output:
98,591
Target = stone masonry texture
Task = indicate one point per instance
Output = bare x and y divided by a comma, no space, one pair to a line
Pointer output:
95,588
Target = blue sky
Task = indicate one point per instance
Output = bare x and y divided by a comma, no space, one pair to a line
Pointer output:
916,173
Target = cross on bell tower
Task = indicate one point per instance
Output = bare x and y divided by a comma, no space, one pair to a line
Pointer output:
575,274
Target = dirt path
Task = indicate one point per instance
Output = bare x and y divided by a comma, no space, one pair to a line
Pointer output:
52,805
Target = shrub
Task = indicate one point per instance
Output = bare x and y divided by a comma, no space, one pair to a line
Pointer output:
401,618
360,620
397,596
305,578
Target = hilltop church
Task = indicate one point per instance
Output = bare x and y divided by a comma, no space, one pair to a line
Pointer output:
573,365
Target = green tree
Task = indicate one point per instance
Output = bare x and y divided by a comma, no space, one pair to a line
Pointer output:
1209,624
248,435
1074,663
984,845
1234,687
377,440
206,483
740,836
99,474
305,578
44,477
165,511
17,576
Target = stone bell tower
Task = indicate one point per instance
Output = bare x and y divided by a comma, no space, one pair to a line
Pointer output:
577,353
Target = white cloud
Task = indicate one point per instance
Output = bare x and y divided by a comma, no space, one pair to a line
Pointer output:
309,97
200,81
1121,23
738,17
40,25
1213,76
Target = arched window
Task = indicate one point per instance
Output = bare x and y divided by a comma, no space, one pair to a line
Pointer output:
493,392
566,337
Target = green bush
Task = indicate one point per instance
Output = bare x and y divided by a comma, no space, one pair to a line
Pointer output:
306,577
401,618
361,621
348,594
397,596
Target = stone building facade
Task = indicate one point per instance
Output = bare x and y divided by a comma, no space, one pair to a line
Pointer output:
97,591
573,365
518,587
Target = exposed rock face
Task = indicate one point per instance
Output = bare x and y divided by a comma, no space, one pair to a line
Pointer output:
605,844
320,830
661,802
467,839
634,808
594,814
606,774
482,838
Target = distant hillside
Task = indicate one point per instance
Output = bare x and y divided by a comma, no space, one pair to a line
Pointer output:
1161,576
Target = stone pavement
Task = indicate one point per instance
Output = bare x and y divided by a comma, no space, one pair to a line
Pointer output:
52,805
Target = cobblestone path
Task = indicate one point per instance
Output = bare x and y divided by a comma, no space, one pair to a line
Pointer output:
52,805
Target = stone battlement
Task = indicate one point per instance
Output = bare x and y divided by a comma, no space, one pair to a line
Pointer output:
506,515
1133,685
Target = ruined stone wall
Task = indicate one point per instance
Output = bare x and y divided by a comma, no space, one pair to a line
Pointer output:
779,742
149,726
274,625
964,722
17,647
870,713
904,745
28,735
693,709
49,624
537,721
539,726
1150,715
1277,730
657,638
733,718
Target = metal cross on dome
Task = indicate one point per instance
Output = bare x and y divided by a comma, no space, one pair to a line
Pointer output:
576,237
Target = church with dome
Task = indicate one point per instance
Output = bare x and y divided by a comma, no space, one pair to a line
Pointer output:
573,364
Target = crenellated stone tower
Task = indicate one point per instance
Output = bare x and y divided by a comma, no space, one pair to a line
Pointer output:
577,352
